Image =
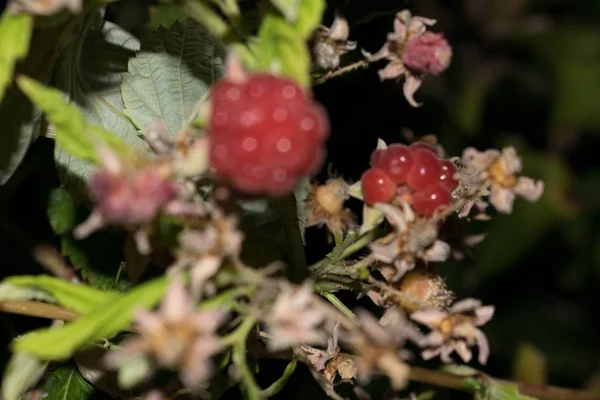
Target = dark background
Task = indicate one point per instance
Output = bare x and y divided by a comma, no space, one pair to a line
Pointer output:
525,73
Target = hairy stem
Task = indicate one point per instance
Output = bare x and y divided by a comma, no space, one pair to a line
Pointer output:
252,389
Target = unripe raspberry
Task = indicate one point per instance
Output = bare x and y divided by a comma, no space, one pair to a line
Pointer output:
377,186
428,53
265,134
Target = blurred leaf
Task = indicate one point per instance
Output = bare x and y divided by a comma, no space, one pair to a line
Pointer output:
529,365
165,15
61,211
497,390
23,371
103,322
170,75
372,217
203,14
20,127
301,193
310,15
9,292
66,383
283,51
15,35
75,297
289,8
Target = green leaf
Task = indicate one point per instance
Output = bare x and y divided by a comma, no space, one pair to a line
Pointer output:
66,383
289,8
89,75
105,321
282,50
75,297
23,371
20,127
301,193
497,390
165,15
310,15
171,75
15,35
281,382
10,292
61,211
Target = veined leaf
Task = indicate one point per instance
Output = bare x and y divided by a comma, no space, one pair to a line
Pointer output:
171,75
89,75
66,383
23,371
15,35
78,298
72,132
283,50
103,322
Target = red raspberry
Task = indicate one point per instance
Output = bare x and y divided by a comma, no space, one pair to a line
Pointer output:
397,161
376,156
446,178
265,134
423,146
426,203
425,172
377,186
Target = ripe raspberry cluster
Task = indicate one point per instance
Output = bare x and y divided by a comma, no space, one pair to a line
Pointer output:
265,134
416,170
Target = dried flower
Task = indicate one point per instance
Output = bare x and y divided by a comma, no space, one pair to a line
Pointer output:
294,318
380,347
412,53
44,8
412,240
498,172
419,288
455,330
331,43
203,248
325,205
175,337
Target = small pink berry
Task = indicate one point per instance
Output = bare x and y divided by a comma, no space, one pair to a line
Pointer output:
428,53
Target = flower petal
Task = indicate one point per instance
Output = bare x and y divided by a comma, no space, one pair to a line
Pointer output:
411,85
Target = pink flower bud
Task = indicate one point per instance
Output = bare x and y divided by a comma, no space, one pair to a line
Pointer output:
428,53
131,199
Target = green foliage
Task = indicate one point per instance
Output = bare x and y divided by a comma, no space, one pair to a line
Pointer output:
171,75
530,365
20,127
310,15
61,211
23,371
133,372
498,390
289,8
15,35
11,292
282,50
89,75
103,322
66,383
75,297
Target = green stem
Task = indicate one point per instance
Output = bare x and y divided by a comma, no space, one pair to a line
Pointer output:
337,303
228,296
360,244
238,339
280,383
